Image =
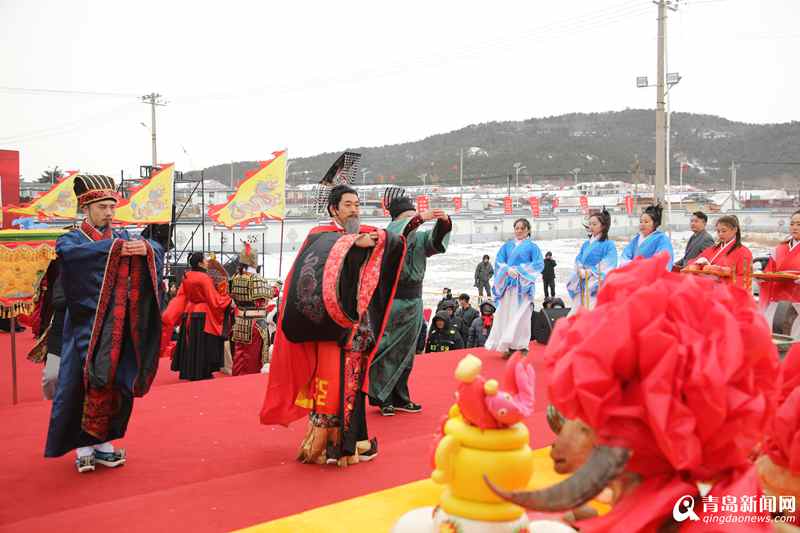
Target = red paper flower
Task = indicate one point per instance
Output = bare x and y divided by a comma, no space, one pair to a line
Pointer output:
782,442
679,369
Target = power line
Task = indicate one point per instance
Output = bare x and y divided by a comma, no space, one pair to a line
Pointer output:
68,127
583,24
786,163
62,92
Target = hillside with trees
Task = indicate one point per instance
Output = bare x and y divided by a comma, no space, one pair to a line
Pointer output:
603,146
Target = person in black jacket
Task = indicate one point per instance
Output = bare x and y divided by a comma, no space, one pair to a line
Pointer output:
443,337
447,299
464,316
483,275
549,275
481,326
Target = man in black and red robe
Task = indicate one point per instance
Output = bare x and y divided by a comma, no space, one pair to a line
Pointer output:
333,312
111,331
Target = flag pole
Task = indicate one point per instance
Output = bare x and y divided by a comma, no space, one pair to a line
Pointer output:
280,255
13,325
283,217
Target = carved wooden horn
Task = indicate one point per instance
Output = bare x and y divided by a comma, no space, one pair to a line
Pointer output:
555,419
604,464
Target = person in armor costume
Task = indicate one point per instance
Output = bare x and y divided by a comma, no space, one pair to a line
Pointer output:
333,312
250,332
111,329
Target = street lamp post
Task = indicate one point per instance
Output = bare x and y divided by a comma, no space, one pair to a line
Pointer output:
663,86
517,168
575,172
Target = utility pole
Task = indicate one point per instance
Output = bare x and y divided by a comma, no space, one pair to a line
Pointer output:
661,119
461,173
662,125
154,100
636,169
733,185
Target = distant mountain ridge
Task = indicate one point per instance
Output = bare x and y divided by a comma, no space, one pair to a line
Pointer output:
603,146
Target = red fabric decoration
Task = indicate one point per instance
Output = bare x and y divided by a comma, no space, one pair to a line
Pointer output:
681,370
426,314
782,442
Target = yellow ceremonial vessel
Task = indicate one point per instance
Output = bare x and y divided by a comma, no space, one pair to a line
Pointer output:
466,453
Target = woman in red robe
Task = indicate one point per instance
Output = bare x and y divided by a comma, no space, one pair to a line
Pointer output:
200,310
785,258
728,256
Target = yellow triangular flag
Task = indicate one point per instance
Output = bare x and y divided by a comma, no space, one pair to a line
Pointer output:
152,202
261,196
58,202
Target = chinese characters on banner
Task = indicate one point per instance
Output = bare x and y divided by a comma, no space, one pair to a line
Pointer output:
629,204
534,201
422,203
457,204
507,206
555,203
585,204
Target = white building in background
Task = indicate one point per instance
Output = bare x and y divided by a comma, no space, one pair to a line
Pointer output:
214,192
605,188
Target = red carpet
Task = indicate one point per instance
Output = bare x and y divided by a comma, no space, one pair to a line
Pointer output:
29,375
199,460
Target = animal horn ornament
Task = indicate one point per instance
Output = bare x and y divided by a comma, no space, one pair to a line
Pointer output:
604,465
555,419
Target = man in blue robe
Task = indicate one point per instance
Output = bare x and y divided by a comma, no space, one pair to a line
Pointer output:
112,329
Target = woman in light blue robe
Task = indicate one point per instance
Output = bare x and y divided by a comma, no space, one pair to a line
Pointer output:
517,270
650,240
597,257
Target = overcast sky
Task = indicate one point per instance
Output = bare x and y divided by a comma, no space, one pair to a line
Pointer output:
243,79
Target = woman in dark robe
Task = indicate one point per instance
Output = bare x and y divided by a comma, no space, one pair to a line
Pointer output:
200,310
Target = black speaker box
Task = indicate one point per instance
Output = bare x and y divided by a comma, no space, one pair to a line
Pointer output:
543,322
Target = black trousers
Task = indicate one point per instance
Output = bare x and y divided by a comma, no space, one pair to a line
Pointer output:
551,285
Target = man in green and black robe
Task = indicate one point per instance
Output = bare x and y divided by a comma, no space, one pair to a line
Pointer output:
391,367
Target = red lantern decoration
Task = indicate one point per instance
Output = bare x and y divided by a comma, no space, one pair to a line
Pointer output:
457,203
629,204
535,210
585,205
